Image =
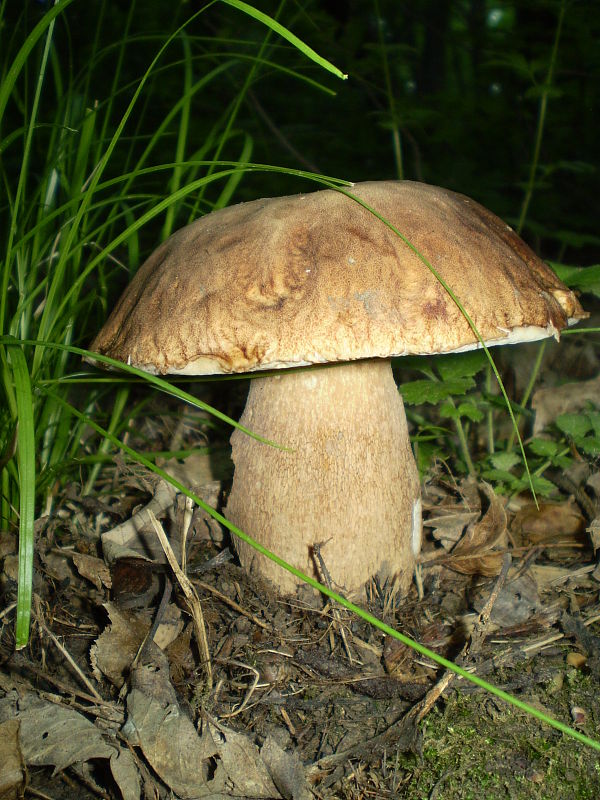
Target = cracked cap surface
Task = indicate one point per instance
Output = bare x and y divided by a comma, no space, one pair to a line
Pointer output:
315,277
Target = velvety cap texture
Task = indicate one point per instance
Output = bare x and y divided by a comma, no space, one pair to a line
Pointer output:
316,277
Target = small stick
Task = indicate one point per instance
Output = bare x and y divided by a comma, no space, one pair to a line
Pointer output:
236,606
40,620
471,647
334,610
193,602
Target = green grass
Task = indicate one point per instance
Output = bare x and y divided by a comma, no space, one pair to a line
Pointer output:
81,181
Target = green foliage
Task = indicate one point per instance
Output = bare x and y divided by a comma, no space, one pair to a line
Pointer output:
432,391
586,279
505,480
467,410
447,376
583,429
451,386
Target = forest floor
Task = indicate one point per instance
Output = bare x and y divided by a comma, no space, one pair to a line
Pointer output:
301,699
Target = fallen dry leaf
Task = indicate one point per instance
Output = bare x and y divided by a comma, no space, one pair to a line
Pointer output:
286,769
594,533
116,647
135,537
12,765
94,569
125,772
547,575
51,734
550,403
8,544
517,600
218,763
448,524
480,550
552,523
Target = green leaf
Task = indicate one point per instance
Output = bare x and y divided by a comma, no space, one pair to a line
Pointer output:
574,425
500,476
590,445
544,447
285,34
471,411
585,278
8,81
468,409
425,453
461,365
505,461
424,391
541,485
594,418
543,90
562,462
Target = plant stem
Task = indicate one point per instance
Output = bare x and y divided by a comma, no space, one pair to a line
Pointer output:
490,412
528,389
396,140
462,439
541,121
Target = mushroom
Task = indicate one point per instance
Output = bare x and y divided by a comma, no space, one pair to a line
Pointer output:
317,279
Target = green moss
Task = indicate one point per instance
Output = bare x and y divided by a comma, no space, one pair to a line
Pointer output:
472,749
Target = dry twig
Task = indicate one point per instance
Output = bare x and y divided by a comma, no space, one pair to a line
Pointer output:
334,610
191,597
63,650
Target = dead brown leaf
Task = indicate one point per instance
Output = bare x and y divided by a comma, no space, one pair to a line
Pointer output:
549,403
12,765
517,601
480,550
52,734
448,524
94,569
113,652
594,534
218,763
553,523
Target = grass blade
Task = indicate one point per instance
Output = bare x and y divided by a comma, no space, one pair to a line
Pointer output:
26,468
8,82
279,29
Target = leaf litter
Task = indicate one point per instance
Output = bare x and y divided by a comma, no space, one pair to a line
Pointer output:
112,698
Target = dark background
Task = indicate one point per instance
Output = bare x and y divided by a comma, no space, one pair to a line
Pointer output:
466,78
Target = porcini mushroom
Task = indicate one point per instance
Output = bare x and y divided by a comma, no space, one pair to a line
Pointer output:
314,279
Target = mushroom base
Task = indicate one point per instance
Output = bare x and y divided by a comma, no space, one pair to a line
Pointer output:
350,484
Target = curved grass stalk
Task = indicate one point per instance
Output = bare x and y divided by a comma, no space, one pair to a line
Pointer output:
279,29
159,383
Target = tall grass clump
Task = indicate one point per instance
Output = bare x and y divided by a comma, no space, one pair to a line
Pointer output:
86,165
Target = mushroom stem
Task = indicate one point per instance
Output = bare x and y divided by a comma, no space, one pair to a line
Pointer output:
349,481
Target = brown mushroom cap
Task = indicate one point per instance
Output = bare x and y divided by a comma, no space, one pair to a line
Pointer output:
316,278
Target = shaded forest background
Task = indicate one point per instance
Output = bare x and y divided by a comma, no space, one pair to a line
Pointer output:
443,91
